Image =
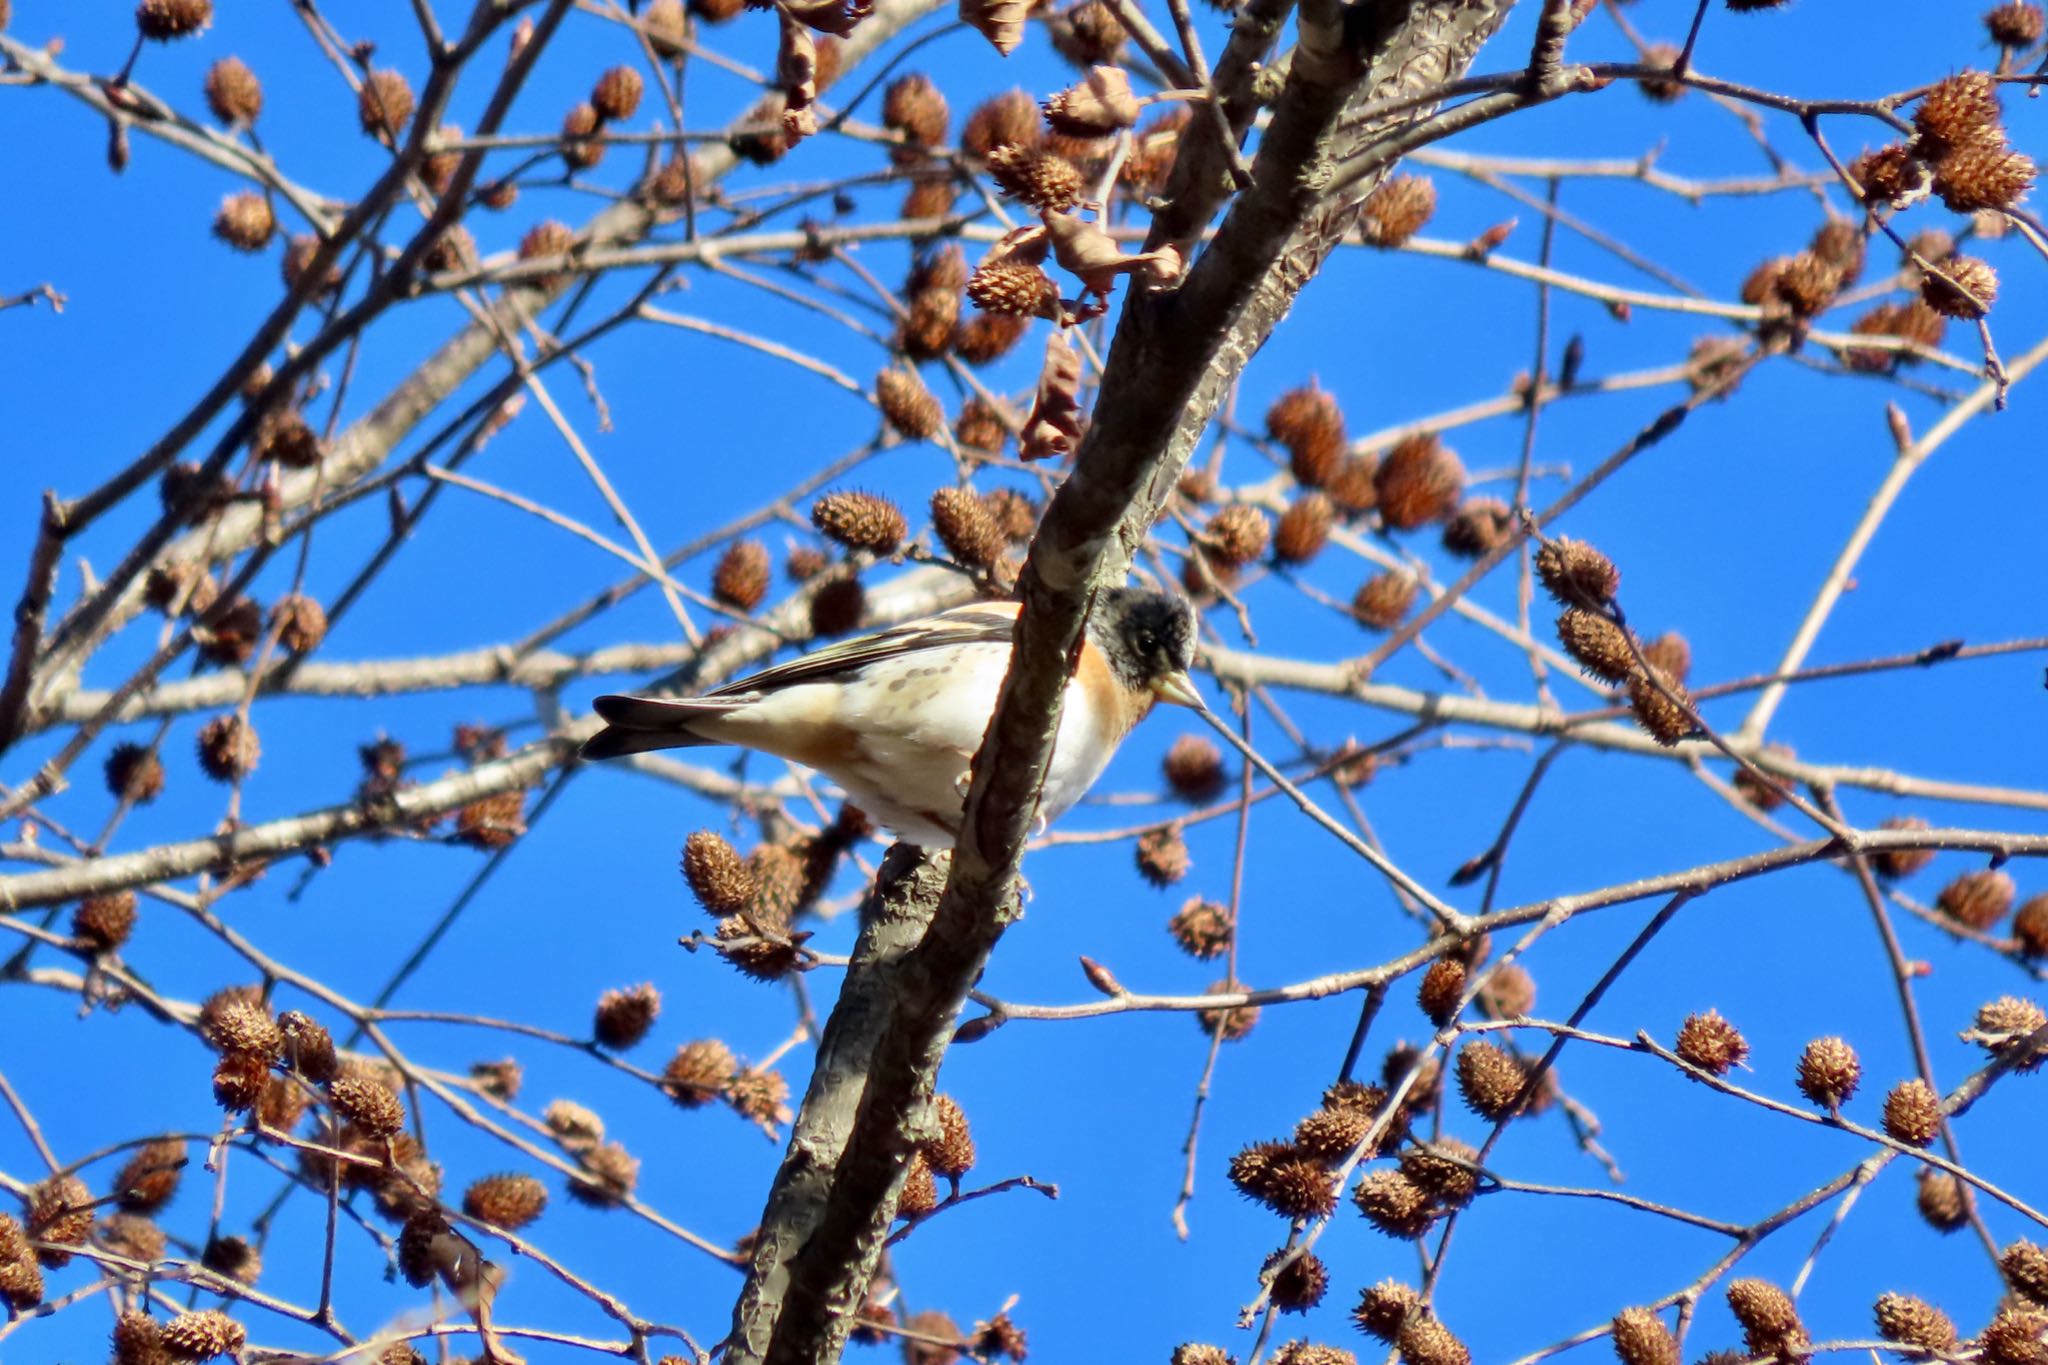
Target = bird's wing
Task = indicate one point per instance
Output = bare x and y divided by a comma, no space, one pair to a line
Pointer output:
975,623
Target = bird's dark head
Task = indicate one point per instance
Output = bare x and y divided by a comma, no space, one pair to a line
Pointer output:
1149,638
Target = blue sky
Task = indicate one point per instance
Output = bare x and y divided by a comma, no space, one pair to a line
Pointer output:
1722,532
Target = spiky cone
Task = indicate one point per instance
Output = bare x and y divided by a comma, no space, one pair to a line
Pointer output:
203,1334
1600,646
546,240
616,96
913,106
718,876
1967,292
1419,481
1100,105
1202,928
1228,1023
779,882
2026,1269
1396,210
999,1338
162,20
2014,1337
231,636
1304,528
838,607
1087,34
103,923
1489,1080
1193,768
149,1177
1014,289
1445,1169
300,622
758,1094
699,1072
1478,528
1298,1279
2030,927
1332,1134
308,1048
1807,285
298,258
1154,150
1943,1202
1710,1043
134,773
235,1258
610,1172
1912,321
2015,24
286,437
1980,178
1383,600
384,105
245,221
860,521
1641,1338
1912,1113
740,578
1045,181
367,1103
1913,1322
1977,899
581,150
1395,1205
624,1017
1236,535
1006,120
1895,864
967,528
233,93
1423,1340
932,194
986,338
1162,855
951,1153
1576,574
1308,422
764,952
1840,243
1716,364
1353,485
21,1276
59,1211
928,323
1770,1324
1657,702
228,748
1441,989
1285,1179
509,1201
2005,1028
1828,1072
1961,111
907,405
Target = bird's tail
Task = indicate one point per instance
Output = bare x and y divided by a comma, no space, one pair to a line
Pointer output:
636,725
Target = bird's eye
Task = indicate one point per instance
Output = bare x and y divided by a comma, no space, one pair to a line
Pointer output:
1147,642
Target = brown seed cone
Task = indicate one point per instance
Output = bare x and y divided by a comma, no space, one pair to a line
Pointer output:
1202,928
913,106
234,1258
966,527
1298,1285
805,562
838,607
1970,297
1961,111
943,268
1670,654
1006,120
624,1017
932,194
666,26
907,404
1445,1169
761,951
779,883
1912,1113
1014,289
980,427
1331,1135
1194,769
1383,1307
741,576
1807,285
1662,718
1162,855
1304,528
1710,1043
492,822
758,1093
437,172
58,1210
148,1179
282,1104
230,1022
1916,1322
1308,422
700,1072
2026,1270
1889,175
298,256
1383,600
1397,210
2016,23
228,748
2014,1337
300,622
1576,574
138,1340
1763,793
1236,535
239,1080
1600,646
1087,34
1975,178
718,876
2003,1026
986,337
1641,1338
1000,1338
716,11
546,240
1770,1324
308,1048
1489,1079
230,638
1049,183
951,1153
1440,990
1840,243
860,521
203,1334
927,329
498,195
1353,485
1419,481
616,96
232,91
1896,863
1425,1341
104,922
920,1192
1943,1202
612,1172
384,105
1478,528
1828,1072
21,1275
135,773
580,148
2030,926
367,1103
245,221
509,1201
286,437
1285,1179
1977,899
1228,1023
162,20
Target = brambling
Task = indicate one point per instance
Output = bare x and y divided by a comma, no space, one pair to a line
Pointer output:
895,717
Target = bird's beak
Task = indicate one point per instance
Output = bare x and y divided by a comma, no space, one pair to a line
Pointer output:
1178,688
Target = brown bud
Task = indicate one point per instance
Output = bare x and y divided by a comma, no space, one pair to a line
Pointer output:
1711,1043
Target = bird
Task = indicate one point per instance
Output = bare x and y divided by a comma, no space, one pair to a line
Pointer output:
895,717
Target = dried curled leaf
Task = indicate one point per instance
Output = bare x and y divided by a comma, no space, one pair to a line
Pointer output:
999,21
796,71
837,17
1056,421
1092,254
1018,246
1098,106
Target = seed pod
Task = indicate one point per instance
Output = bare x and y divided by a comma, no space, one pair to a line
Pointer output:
509,1201
162,20
699,1072
1237,535
1419,481
1396,210
233,93
1711,1043
860,521
1576,574
1828,1072
1383,600
1641,1338
1163,855
1943,1202
1915,1322
907,404
1912,1113
384,105
1298,1280
616,95
1600,646
624,1016
1304,528
967,528
741,577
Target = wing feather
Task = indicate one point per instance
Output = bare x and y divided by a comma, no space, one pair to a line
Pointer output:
976,623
